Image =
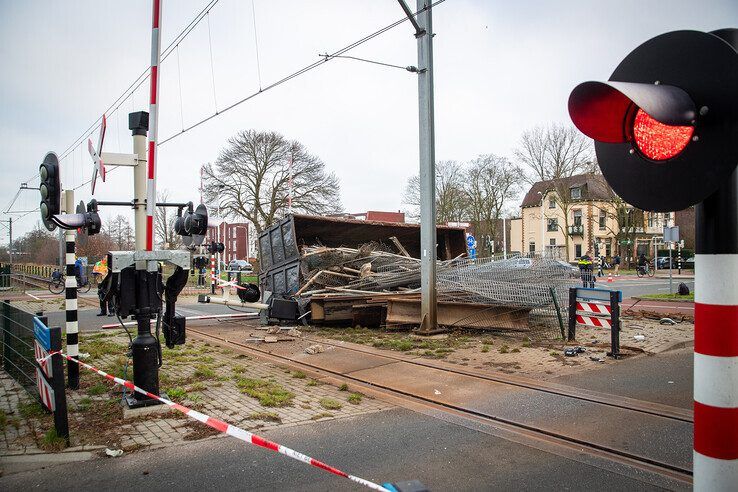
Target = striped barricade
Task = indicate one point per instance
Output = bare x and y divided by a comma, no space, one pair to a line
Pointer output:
596,308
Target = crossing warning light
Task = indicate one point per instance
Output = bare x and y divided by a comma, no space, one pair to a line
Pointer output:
50,188
193,225
664,124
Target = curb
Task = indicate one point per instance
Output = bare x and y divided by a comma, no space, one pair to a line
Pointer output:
640,298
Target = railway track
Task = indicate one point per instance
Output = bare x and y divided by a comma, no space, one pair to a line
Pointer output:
622,456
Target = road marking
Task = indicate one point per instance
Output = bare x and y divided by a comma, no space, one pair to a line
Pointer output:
29,294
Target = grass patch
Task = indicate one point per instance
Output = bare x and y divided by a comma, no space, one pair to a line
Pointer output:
485,348
31,410
269,393
52,442
177,394
99,347
198,386
84,404
312,382
265,416
504,349
323,415
204,372
330,404
669,297
299,375
515,350
97,389
343,387
238,369
355,398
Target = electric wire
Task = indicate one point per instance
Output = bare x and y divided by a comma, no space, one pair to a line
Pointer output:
129,92
256,43
407,68
299,72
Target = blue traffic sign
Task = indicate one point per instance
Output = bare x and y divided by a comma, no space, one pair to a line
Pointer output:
471,241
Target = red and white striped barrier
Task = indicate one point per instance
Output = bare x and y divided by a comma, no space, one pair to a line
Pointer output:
232,430
594,307
594,321
188,318
716,371
153,123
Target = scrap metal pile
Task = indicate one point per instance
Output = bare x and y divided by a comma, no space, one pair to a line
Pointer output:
374,285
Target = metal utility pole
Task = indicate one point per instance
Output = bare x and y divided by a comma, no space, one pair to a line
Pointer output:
424,34
70,296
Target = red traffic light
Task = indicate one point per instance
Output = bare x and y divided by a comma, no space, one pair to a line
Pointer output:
658,141
664,124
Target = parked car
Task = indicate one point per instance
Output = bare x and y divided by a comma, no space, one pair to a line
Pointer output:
240,266
688,263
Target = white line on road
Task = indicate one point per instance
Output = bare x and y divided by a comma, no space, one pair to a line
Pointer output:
29,294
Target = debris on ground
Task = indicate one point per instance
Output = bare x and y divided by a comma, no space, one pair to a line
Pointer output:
314,349
113,453
667,321
639,338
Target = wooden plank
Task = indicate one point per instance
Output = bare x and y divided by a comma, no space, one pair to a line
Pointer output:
460,315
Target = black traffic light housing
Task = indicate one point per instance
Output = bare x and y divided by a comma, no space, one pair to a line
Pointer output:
666,121
192,225
50,188
92,222
214,247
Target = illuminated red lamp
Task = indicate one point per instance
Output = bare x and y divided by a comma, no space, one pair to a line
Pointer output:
658,141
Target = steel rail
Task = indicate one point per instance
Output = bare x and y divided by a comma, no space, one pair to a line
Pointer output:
644,463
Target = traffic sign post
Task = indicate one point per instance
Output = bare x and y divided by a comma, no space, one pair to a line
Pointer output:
664,127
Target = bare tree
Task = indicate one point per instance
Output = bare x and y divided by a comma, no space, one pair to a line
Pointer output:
629,222
120,231
450,195
165,218
490,182
250,179
555,151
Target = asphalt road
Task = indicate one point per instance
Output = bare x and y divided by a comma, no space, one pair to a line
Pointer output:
669,378
386,446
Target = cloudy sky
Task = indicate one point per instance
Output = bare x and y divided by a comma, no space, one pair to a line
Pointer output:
501,67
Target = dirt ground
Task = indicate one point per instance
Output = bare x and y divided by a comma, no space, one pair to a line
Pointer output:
515,353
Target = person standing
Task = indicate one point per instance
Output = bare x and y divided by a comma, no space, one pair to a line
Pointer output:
616,261
586,270
106,305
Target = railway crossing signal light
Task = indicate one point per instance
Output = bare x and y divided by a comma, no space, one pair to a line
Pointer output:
665,127
664,124
193,225
50,188
214,247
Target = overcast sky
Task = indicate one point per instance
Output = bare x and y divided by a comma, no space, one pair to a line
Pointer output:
500,67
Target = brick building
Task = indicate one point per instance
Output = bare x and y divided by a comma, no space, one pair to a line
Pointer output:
235,238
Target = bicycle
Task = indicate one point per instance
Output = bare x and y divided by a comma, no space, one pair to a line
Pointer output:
57,285
644,270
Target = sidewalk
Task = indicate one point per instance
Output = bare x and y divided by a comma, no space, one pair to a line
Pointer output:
215,381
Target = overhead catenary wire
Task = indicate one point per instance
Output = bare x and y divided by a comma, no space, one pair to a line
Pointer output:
143,77
298,72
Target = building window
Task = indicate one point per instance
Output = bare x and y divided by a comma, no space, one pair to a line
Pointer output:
603,220
577,250
667,218
650,220
576,193
608,249
552,241
577,217
553,225
532,247
551,203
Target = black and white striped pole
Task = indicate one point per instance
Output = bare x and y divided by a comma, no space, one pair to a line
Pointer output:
70,294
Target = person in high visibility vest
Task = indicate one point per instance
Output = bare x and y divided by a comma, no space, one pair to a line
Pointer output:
106,306
586,270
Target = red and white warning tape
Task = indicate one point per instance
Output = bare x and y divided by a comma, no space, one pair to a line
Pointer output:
229,429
